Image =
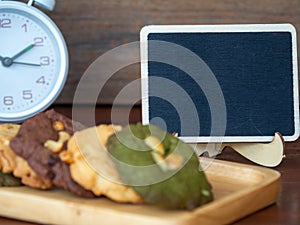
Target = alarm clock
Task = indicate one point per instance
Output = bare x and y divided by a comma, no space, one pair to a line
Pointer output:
33,59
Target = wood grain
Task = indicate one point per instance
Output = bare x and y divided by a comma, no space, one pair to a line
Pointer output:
234,186
94,27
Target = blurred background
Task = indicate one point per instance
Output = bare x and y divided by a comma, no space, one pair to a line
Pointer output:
94,27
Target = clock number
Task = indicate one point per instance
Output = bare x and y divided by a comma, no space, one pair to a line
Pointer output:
25,27
38,41
27,94
45,61
8,100
41,80
5,23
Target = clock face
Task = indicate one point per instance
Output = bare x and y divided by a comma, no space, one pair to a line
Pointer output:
33,62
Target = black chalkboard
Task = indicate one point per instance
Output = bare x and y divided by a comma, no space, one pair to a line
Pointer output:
255,71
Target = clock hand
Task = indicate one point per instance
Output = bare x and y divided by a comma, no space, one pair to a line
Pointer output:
28,48
27,64
7,62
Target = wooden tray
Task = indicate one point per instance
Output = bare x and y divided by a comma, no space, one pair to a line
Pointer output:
239,190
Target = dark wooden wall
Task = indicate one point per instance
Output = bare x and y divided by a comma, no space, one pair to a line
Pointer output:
92,27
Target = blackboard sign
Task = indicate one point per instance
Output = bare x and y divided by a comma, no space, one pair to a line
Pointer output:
230,83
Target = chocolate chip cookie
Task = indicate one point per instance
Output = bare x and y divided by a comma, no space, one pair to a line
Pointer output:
40,141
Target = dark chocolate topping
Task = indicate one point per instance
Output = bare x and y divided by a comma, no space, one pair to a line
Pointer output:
29,144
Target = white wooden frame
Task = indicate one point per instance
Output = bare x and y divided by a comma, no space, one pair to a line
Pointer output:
220,29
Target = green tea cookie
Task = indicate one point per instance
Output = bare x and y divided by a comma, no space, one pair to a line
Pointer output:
8,180
162,169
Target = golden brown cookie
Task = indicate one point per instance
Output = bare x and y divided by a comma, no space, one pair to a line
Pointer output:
7,156
11,163
91,166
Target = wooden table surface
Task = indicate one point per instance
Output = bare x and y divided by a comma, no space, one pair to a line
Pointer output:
285,211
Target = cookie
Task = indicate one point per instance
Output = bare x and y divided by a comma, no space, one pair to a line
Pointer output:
162,169
92,168
39,141
11,163
8,180
7,156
